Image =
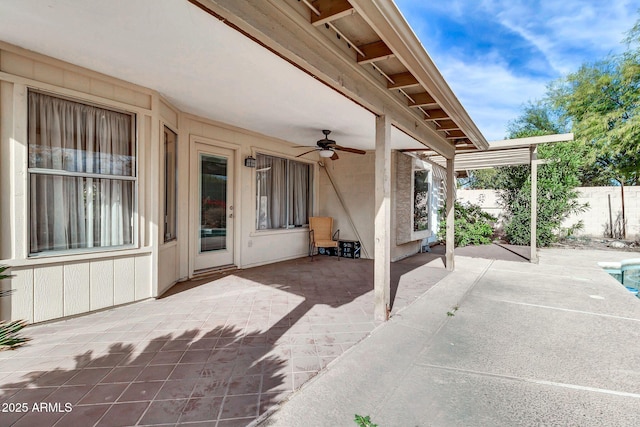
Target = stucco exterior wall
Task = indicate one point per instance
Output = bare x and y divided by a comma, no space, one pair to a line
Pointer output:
354,179
605,208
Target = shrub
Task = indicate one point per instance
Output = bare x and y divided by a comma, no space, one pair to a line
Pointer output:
10,337
472,225
557,197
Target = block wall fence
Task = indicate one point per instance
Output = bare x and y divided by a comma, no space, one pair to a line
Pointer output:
604,211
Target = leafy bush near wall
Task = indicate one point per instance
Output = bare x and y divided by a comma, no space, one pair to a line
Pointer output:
472,225
10,337
557,196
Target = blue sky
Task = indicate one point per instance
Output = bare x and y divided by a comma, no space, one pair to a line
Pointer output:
499,54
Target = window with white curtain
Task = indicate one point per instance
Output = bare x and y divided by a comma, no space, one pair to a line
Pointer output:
283,190
82,175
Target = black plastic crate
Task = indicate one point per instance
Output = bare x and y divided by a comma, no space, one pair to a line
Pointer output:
328,251
350,248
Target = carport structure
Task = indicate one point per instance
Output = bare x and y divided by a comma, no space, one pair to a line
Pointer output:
509,152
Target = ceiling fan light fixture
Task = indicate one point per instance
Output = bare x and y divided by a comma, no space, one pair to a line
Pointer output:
325,153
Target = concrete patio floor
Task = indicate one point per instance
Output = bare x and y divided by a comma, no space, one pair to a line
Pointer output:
556,343
217,352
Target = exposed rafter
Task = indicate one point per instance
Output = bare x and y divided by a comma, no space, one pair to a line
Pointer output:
436,114
422,99
330,10
454,134
432,98
402,81
447,125
376,51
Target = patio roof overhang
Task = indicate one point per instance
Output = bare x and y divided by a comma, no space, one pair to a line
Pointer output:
507,152
336,70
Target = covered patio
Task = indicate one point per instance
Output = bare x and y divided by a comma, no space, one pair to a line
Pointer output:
202,80
222,349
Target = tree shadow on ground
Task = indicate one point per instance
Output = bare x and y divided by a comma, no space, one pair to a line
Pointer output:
333,282
219,374
224,373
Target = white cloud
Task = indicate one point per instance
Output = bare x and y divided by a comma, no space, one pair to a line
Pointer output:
564,33
491,94
564,30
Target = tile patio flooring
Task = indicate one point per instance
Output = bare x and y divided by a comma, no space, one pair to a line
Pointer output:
216,352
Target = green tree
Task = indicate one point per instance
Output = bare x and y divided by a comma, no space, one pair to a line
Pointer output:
602,100
481,179
557,198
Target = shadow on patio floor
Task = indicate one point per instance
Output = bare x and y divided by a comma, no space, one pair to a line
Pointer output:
221,350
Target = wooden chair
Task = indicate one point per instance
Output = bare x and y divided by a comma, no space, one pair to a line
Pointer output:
320,236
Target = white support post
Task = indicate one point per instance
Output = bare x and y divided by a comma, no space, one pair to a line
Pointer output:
450,210
534,205
382,251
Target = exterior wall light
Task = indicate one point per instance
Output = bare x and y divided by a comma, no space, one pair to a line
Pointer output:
250,162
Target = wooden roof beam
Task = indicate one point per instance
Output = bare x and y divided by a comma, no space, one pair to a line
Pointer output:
447,125
454,134
330,10
402,80
376,51
436,114
422,99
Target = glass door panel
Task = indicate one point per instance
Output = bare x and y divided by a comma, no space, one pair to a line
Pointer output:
213,203
212,220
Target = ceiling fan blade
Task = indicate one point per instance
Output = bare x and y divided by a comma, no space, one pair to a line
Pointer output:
347,149
310,151
303,146
335,156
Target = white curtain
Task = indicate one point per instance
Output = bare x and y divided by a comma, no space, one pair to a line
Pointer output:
272,191
75,210
298,193
283,192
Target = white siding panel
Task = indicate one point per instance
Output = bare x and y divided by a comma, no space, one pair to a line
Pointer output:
48,293
101,284
124,283
76,288
22,298
167,268
143,277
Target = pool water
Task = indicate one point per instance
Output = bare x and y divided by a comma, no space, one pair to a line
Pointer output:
626,272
